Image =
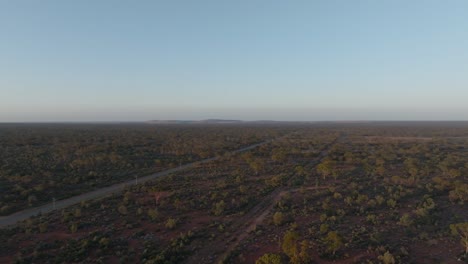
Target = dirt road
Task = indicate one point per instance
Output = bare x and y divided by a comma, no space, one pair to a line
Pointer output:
12,219
219,250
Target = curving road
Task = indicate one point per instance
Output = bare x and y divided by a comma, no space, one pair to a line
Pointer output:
12,219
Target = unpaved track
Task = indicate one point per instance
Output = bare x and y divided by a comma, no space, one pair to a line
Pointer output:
219,250
261,215
12,219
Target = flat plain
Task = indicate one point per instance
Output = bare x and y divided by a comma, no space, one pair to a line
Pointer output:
375,192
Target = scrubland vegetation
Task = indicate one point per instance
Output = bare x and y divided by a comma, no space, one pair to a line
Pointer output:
42,162
321,193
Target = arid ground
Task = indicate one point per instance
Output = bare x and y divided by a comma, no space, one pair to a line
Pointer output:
374,192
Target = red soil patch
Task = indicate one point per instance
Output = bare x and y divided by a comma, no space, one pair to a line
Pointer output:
54,236
378,138
443,252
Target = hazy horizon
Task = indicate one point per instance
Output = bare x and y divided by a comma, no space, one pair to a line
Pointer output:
314,115
79,61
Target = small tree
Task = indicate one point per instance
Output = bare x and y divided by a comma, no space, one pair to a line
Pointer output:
278,218
325,168
171,223
74,227
387,258
300,170
256,165
289,244
405,220
269,258
304,254
391,203
218,208
122,209
153,214
334,242
77,212
43,227
461,230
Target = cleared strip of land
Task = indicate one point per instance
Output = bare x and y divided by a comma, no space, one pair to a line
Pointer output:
220,249
25,214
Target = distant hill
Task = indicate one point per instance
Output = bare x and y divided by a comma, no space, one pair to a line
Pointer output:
221,121
206,121
217,121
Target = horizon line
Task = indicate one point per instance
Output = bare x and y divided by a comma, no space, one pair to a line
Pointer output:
227,121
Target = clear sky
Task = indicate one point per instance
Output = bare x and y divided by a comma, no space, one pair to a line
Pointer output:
98,60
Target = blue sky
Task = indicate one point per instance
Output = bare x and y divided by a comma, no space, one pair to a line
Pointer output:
103,60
